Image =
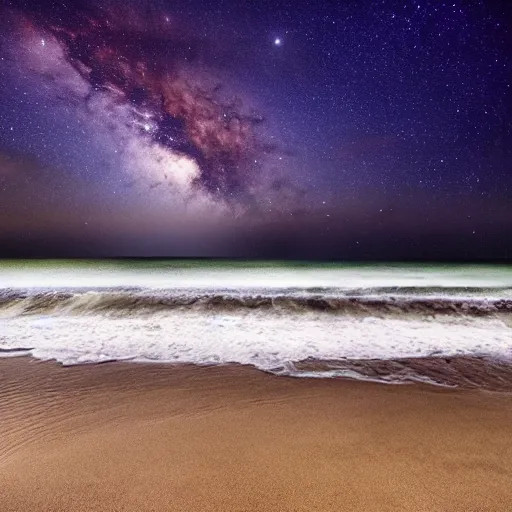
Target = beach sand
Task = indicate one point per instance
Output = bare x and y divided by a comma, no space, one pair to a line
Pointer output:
139,437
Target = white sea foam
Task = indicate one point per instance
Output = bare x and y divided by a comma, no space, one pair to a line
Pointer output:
267,341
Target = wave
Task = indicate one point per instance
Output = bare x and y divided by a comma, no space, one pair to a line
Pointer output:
449,336
362,302
469,372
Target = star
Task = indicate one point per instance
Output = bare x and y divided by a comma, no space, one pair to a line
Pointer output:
277,41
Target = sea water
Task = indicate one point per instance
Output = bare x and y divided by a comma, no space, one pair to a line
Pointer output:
272,315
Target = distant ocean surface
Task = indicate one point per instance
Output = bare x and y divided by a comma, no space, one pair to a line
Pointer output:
388,322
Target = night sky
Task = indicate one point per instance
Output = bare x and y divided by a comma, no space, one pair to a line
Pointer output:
270,129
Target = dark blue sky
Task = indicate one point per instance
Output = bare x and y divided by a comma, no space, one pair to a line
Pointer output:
358,130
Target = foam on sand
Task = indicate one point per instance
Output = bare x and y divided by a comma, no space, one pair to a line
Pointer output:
267,341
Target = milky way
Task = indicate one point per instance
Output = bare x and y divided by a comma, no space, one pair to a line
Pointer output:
142,62
144,71
269,129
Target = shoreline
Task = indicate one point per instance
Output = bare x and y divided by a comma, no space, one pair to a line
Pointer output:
135,436
461,372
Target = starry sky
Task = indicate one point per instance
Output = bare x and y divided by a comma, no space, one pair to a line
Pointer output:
375,130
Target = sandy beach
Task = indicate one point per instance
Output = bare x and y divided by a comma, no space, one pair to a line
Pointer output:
134,437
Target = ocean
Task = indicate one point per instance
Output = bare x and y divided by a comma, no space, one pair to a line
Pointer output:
448,325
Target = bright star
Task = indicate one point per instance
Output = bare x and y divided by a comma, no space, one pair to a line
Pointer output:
277,41
43,42
147,127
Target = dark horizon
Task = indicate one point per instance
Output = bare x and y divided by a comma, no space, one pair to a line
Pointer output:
241,259
68,250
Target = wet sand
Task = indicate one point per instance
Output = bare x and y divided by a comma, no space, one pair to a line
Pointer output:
127,437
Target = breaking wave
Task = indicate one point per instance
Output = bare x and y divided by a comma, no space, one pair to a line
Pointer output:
129,301
448,336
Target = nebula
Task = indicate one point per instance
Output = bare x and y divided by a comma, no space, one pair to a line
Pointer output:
174,117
